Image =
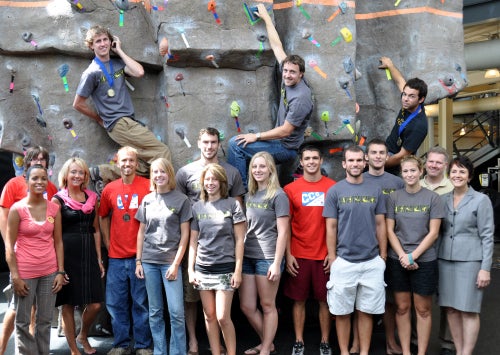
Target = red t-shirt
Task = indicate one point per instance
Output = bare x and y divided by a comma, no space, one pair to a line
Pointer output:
16,189
306,214
122,201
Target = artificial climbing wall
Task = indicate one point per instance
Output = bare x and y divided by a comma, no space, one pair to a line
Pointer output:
220,70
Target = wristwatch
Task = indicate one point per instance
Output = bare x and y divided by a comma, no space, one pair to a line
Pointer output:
258,136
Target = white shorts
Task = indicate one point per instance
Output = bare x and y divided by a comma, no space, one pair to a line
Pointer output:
356,284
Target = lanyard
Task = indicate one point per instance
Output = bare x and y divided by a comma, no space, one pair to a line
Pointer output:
408,120
107,74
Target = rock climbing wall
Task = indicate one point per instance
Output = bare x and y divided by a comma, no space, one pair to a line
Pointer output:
220,67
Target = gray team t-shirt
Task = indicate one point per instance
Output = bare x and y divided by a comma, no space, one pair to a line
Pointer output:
296,106
355,206
214,221
412,214
387,182
93,83
262,232
188,180
163,215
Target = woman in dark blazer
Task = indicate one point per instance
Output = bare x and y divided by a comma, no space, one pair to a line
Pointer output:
465,255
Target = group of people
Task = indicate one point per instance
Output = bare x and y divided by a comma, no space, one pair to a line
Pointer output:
197,234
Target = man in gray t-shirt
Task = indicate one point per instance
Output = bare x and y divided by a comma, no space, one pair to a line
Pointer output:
104,81
295,110
355,237
188,182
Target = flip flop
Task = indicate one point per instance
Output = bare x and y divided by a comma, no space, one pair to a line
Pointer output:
252,351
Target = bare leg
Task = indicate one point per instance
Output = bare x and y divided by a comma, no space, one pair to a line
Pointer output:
209,310
68,315
325,322
299,318
265,323
223,300
7,329
365,327
355,335
343,327
456,328
403,319
471,326
33,320
190,314
391,345
89,314
423,306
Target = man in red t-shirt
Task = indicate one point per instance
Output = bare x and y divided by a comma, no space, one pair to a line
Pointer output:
14,190
306,253
125,293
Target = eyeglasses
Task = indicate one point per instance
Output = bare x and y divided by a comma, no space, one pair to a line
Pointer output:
38,160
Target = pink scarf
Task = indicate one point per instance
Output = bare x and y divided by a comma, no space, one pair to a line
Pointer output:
86,207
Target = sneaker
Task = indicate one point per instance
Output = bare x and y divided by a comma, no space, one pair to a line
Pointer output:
324,349
119,351
298,348
145,351
96,179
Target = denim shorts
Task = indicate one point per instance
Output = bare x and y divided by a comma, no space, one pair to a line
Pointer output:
259,266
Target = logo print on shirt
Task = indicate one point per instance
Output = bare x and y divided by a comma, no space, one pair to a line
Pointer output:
312,199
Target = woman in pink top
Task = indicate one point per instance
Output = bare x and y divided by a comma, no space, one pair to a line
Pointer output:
34,252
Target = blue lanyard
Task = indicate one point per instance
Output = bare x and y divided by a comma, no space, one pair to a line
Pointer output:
408,120
107,74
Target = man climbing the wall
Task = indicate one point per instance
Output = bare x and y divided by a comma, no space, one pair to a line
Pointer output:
410,128
104,81
295,109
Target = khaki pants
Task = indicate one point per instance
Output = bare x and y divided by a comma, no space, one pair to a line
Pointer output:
127,132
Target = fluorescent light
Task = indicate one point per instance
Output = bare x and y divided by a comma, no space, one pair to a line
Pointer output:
491,73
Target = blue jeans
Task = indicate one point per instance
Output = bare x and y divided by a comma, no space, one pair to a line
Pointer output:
125,293
154,275
239,157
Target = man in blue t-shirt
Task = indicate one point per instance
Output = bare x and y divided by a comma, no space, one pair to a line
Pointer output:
295,109
410,128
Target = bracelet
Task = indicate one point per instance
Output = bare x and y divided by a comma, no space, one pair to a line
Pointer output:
410,259
61,273
100,261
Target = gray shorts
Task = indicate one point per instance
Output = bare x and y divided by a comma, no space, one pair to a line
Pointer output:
361,284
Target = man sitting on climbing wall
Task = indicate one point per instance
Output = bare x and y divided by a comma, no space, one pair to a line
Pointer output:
410,128
294,112
104,81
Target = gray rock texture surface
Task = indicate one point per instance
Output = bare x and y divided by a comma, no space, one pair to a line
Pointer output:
40,38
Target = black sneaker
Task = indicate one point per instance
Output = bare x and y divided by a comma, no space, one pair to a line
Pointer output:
324,349
96,179
298,348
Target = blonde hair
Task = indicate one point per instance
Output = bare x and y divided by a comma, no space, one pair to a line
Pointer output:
220,174
126,149
166,166
414,159
62,178
273,183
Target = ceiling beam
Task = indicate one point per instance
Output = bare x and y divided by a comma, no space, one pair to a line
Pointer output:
476,11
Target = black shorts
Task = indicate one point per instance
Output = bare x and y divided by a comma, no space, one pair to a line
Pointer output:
422,281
